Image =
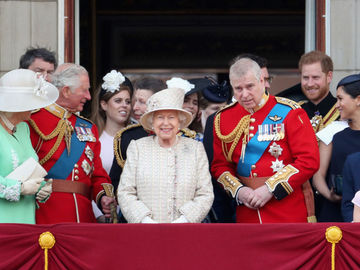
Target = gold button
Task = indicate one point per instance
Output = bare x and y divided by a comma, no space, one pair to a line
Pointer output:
253,166
255,174
251,135
251,128
76,177
252,120
76,171
76,166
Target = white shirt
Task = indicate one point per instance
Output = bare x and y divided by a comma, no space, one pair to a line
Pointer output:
107,150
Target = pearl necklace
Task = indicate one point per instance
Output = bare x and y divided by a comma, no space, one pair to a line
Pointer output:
7,123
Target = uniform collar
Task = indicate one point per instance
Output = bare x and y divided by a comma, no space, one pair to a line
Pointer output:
58,111
264,99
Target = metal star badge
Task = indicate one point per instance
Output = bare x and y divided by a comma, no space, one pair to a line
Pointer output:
275,150
277,165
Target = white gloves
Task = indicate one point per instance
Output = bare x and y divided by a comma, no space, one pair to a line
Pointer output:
148,219
31,186
181,219
45,191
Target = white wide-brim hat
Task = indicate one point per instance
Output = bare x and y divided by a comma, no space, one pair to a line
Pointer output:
167,99
23,90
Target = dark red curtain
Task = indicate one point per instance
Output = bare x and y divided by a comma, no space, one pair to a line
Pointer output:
179,246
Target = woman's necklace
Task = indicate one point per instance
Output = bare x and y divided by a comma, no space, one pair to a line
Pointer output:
7,123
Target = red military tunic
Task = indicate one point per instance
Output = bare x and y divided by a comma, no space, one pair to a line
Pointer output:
86,167
285,165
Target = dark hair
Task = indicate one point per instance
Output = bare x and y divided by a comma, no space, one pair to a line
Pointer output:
33,53
98,115
261,61
314,57
351,85
150,83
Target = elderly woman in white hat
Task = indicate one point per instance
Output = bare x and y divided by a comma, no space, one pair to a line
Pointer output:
21,177
166,177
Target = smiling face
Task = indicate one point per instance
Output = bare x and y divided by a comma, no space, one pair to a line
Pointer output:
248,91
314,82
166,124
117,108
346,104
139,102
76,99
191,104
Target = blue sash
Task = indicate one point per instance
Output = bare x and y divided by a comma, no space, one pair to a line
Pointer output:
65,164
255,148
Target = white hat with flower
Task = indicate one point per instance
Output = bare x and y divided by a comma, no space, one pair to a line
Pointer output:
112,81
24,90
167,99
176,82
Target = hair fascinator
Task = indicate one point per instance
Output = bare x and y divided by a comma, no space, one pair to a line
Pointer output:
112,81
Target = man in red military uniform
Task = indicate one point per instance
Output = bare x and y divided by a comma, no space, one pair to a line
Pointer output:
69,149
264,150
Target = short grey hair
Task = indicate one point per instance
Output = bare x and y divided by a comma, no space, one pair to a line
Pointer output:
242,66
68,75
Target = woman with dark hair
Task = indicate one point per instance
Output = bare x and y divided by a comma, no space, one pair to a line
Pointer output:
328,180
111,112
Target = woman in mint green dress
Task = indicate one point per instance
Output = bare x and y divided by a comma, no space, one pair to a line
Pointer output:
21,91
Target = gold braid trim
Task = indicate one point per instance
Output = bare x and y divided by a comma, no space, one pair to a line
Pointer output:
331,116
187,133
117,142
234,136
59,131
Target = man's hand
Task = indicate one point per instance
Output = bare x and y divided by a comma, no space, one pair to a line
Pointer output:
105,204
261,196
245,195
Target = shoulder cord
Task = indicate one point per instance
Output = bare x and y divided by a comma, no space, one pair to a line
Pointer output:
60,130
234,136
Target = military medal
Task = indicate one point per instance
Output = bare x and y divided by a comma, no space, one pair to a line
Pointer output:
276,150
85,134
90,135
89,153
277,165
86,167
260,136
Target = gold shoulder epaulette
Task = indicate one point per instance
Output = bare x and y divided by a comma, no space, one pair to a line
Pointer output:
227,107
187,133
87,119
117,142
294,105
302,102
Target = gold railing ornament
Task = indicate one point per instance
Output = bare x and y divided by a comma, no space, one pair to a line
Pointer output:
333,235
46,241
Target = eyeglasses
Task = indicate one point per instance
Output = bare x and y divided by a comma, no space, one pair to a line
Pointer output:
269,79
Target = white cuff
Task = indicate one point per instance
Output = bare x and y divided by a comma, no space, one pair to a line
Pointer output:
181,219
148,219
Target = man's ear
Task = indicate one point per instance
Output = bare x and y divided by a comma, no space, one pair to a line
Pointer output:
66,91
329,77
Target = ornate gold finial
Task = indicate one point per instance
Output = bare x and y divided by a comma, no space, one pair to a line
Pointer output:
333,235
46,241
